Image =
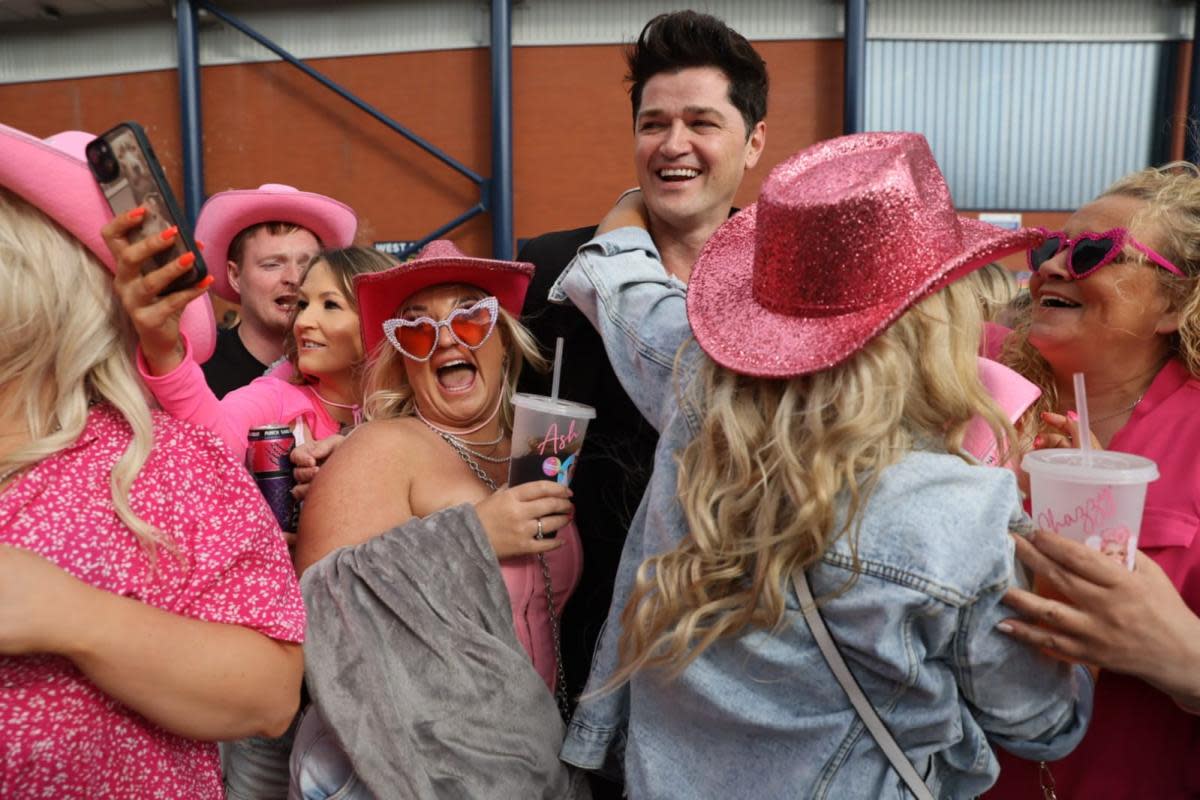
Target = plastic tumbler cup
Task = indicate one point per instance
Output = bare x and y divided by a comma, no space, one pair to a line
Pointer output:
1096,499
547,437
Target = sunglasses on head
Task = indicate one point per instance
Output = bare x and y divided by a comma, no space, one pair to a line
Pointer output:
1088,252
470,326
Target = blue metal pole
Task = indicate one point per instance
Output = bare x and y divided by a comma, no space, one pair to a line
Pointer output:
500,199
189,101
1191,147
470,213
854,116
345,94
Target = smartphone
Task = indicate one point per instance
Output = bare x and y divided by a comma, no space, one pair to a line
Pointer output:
124,165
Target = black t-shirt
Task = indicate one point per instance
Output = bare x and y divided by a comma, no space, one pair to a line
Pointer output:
231,366
618,451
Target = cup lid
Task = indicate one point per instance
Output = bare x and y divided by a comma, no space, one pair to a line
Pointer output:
1098,466
546,405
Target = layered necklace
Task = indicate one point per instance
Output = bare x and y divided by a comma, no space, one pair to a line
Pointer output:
467,452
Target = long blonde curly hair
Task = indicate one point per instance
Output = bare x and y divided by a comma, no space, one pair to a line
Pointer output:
65,343
1171,194
780,469
388,394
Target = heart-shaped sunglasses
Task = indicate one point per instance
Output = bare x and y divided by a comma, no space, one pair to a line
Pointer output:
1088,252
470,326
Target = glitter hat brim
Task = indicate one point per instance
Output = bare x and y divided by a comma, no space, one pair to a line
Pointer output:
226,214
380,294
738,333
52,175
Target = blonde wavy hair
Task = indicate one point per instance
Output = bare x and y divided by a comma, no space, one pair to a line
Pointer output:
57,295
781,469
389,395
1171,194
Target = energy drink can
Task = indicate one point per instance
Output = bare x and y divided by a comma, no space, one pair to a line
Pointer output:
268,459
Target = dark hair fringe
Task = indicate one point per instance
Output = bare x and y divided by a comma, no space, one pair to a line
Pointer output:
683,39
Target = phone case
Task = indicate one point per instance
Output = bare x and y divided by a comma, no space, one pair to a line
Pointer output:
139,181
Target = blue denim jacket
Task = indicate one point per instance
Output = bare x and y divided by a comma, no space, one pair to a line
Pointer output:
760,714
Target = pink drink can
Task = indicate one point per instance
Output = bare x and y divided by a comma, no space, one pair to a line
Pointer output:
268,458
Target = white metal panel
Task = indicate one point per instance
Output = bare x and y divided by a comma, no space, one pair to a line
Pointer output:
70,50
350,29
42,10
1020,125
556,22
102,45
1031,20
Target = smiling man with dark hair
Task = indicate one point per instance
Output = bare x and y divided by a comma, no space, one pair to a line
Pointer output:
699,98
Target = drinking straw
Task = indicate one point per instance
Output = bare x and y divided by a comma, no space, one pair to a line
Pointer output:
1085,430
557,368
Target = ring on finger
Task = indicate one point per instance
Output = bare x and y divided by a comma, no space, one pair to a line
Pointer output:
540,533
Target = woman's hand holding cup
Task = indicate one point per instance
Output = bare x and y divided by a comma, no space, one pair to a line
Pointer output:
511,516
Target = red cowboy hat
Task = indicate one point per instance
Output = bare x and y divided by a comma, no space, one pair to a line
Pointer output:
845,237
381,293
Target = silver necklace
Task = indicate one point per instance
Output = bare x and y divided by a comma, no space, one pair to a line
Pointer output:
461,445
560,687
1119,413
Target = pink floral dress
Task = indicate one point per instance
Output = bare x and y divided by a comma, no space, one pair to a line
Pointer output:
60,736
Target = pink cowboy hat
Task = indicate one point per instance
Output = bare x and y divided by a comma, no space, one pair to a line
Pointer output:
381,293
226,214
845,236
52,175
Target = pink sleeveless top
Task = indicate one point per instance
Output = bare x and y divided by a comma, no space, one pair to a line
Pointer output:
527,593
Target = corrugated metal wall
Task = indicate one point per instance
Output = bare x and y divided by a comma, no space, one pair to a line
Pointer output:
1031,20
1021,124
118,44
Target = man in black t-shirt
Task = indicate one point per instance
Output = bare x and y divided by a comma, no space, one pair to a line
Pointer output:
258,243
699,95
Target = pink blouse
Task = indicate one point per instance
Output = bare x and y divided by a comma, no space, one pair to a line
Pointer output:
60,736
527,593
269,400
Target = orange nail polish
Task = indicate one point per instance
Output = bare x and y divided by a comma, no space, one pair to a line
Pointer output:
207,282
199,244
138,212
169,233
187,259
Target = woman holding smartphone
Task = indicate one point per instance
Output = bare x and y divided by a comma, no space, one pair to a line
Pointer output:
319,395
319,399
147,604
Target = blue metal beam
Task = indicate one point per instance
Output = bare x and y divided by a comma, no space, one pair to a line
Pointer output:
345,94
189,101
470,213
854,104
501,186
1191,148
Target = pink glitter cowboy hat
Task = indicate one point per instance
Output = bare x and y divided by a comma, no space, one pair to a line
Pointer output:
226,214
381,293
52,175
845,236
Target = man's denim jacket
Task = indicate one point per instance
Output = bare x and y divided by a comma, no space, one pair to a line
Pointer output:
760,714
